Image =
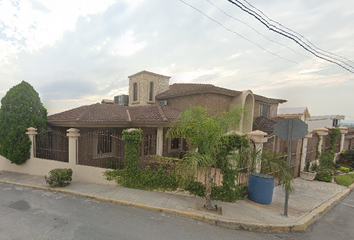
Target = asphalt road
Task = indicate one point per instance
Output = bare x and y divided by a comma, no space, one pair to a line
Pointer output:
27,213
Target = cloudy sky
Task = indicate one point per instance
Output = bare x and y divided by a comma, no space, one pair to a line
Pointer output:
78,52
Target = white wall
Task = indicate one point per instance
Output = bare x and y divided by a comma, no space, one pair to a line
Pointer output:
41,167
319,123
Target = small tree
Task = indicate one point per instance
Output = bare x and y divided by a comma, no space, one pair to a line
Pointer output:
21,108
203,133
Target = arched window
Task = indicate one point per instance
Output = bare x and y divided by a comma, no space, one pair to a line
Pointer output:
135,92
151,91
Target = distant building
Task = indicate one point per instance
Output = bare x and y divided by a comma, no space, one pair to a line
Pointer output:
296,112
324,121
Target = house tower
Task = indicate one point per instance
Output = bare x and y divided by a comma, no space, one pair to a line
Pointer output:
144,86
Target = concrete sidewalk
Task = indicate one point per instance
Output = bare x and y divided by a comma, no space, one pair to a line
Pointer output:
308,203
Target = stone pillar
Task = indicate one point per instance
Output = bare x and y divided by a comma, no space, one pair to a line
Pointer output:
258,138
304,151
343,131
321,132
73,135
159,141
32,132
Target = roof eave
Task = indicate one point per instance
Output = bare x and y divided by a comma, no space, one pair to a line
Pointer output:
226,93
107,124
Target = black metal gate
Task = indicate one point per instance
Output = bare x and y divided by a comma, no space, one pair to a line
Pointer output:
101,149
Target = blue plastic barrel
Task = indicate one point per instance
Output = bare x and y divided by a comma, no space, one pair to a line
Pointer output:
260,188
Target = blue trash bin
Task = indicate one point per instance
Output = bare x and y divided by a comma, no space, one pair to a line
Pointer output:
260,188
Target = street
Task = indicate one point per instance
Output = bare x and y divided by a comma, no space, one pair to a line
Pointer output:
27,213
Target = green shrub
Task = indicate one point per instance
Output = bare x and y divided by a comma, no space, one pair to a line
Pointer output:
196,188
324,174
347,158
224,194
307,166
314,167
59,177
218,193
21,108
145,179
344,169
350,168
326,160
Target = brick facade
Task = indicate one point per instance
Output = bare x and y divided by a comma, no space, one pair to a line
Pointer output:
217,103
143,79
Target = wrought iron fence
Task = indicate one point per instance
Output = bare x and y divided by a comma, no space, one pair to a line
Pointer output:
101,149
149,145
52,145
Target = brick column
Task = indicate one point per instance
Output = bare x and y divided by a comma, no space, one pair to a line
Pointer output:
304,151
343,131
258,138
321,132
73,135
32,132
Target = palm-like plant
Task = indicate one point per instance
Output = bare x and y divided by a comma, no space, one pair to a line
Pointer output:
203,132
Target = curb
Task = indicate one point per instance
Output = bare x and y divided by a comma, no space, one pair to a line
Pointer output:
300,225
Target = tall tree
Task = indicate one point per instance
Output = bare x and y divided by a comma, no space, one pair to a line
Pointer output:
203,132
21,108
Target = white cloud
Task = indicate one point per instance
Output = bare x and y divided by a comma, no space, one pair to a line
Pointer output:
126,45
34,28
90,47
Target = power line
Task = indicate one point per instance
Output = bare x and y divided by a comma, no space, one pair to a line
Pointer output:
293,37
290,36
230,30
271,40
234,32
346,59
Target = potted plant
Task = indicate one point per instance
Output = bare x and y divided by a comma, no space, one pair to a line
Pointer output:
309,171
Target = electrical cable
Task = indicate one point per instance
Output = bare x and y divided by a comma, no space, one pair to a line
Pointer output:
292,37
346,59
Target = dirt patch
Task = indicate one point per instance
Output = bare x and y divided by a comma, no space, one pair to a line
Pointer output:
200,207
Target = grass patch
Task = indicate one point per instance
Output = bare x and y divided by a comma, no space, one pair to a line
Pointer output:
345,180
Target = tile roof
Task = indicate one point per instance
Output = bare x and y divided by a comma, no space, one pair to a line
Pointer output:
116,113
183,89
147,72
265,124
268,100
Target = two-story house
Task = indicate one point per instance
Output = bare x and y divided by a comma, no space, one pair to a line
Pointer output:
152,104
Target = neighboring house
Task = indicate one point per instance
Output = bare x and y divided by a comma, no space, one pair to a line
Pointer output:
152,104
296,112
324,121
266,124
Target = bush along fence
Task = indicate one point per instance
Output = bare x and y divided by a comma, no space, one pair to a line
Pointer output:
307,151
158,172
236,159
231,171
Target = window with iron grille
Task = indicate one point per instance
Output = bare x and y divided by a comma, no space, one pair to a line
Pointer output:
104,142
175,143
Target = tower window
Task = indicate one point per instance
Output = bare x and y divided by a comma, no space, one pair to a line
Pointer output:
135,92
151,91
